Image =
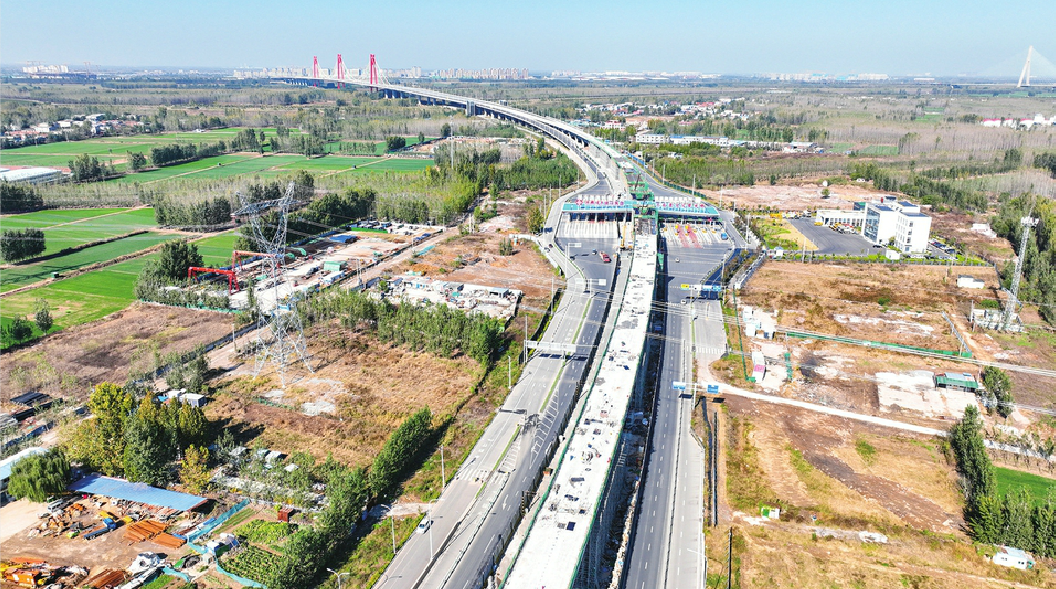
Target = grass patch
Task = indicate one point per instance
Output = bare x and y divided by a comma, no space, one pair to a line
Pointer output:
865,450
159,582
1039,487
373,552
746,485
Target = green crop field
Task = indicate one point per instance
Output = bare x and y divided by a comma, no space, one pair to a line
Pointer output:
246,166
329,163
41,219
1039,487
216,250
188,169
108,148
19,276
380,148
96,294
879,150
98,227
393,165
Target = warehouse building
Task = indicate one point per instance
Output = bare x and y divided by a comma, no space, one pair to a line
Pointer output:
31,175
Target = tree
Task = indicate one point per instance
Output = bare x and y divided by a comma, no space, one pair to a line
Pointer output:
43,316
999,385
111,405
421,137
40,476
536,220
176,257
506,247
137,161
19,329
395,143
148,448
445,131
194,469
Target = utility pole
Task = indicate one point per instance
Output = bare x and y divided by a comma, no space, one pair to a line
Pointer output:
443,471
729,562
1010,310
392,526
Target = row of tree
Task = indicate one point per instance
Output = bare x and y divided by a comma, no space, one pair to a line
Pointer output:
18,198
432,328
88,168
20,244
175,153
930,191
203,213
1012,519
155,281
348,492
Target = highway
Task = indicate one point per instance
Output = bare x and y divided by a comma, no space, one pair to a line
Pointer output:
478,510
668,543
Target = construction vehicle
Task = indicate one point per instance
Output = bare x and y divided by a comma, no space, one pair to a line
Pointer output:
108,525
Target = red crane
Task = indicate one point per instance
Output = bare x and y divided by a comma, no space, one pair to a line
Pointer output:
232,280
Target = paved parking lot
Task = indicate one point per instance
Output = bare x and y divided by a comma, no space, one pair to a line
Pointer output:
833,242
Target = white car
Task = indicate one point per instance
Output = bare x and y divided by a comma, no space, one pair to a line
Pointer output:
424,526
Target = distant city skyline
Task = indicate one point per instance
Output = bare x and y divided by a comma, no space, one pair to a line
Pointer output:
894,37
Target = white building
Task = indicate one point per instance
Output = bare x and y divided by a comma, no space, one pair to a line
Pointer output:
899,223
1014,558
966,281
31,175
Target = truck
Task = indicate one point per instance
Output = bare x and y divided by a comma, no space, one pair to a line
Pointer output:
108,525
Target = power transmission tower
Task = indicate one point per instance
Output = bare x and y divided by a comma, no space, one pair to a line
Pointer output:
1024,76
1013,295
280,332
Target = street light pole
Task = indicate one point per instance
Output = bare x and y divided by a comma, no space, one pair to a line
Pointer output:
338,575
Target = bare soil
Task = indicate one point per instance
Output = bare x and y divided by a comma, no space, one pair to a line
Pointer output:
70,362
372,387
800,196
906,490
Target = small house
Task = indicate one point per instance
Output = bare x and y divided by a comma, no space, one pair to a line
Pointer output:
193,399
965,281
958,381
1013,558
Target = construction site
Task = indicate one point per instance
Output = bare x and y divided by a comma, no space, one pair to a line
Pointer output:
317,264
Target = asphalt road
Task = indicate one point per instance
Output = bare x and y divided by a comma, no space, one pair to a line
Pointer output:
833,242
480,507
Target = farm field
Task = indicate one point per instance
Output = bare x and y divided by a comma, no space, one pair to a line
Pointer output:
244,164
109,148
393,165
19,276
97,227
41,219
178,169
96,294
380,148
1010,480
216,250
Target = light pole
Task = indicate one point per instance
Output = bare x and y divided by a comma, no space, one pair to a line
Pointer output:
392,526
443,471
338,575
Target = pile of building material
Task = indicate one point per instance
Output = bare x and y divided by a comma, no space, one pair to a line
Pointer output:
154,531
106,580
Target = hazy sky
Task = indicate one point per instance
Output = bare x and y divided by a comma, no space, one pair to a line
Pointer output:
733,36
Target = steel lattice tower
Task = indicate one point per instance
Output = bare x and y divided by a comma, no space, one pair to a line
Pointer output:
280,332
1013,294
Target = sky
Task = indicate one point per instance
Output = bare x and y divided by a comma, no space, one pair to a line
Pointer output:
896,37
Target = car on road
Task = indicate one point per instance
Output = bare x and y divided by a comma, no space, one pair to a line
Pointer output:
605,258
424,526
595,252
